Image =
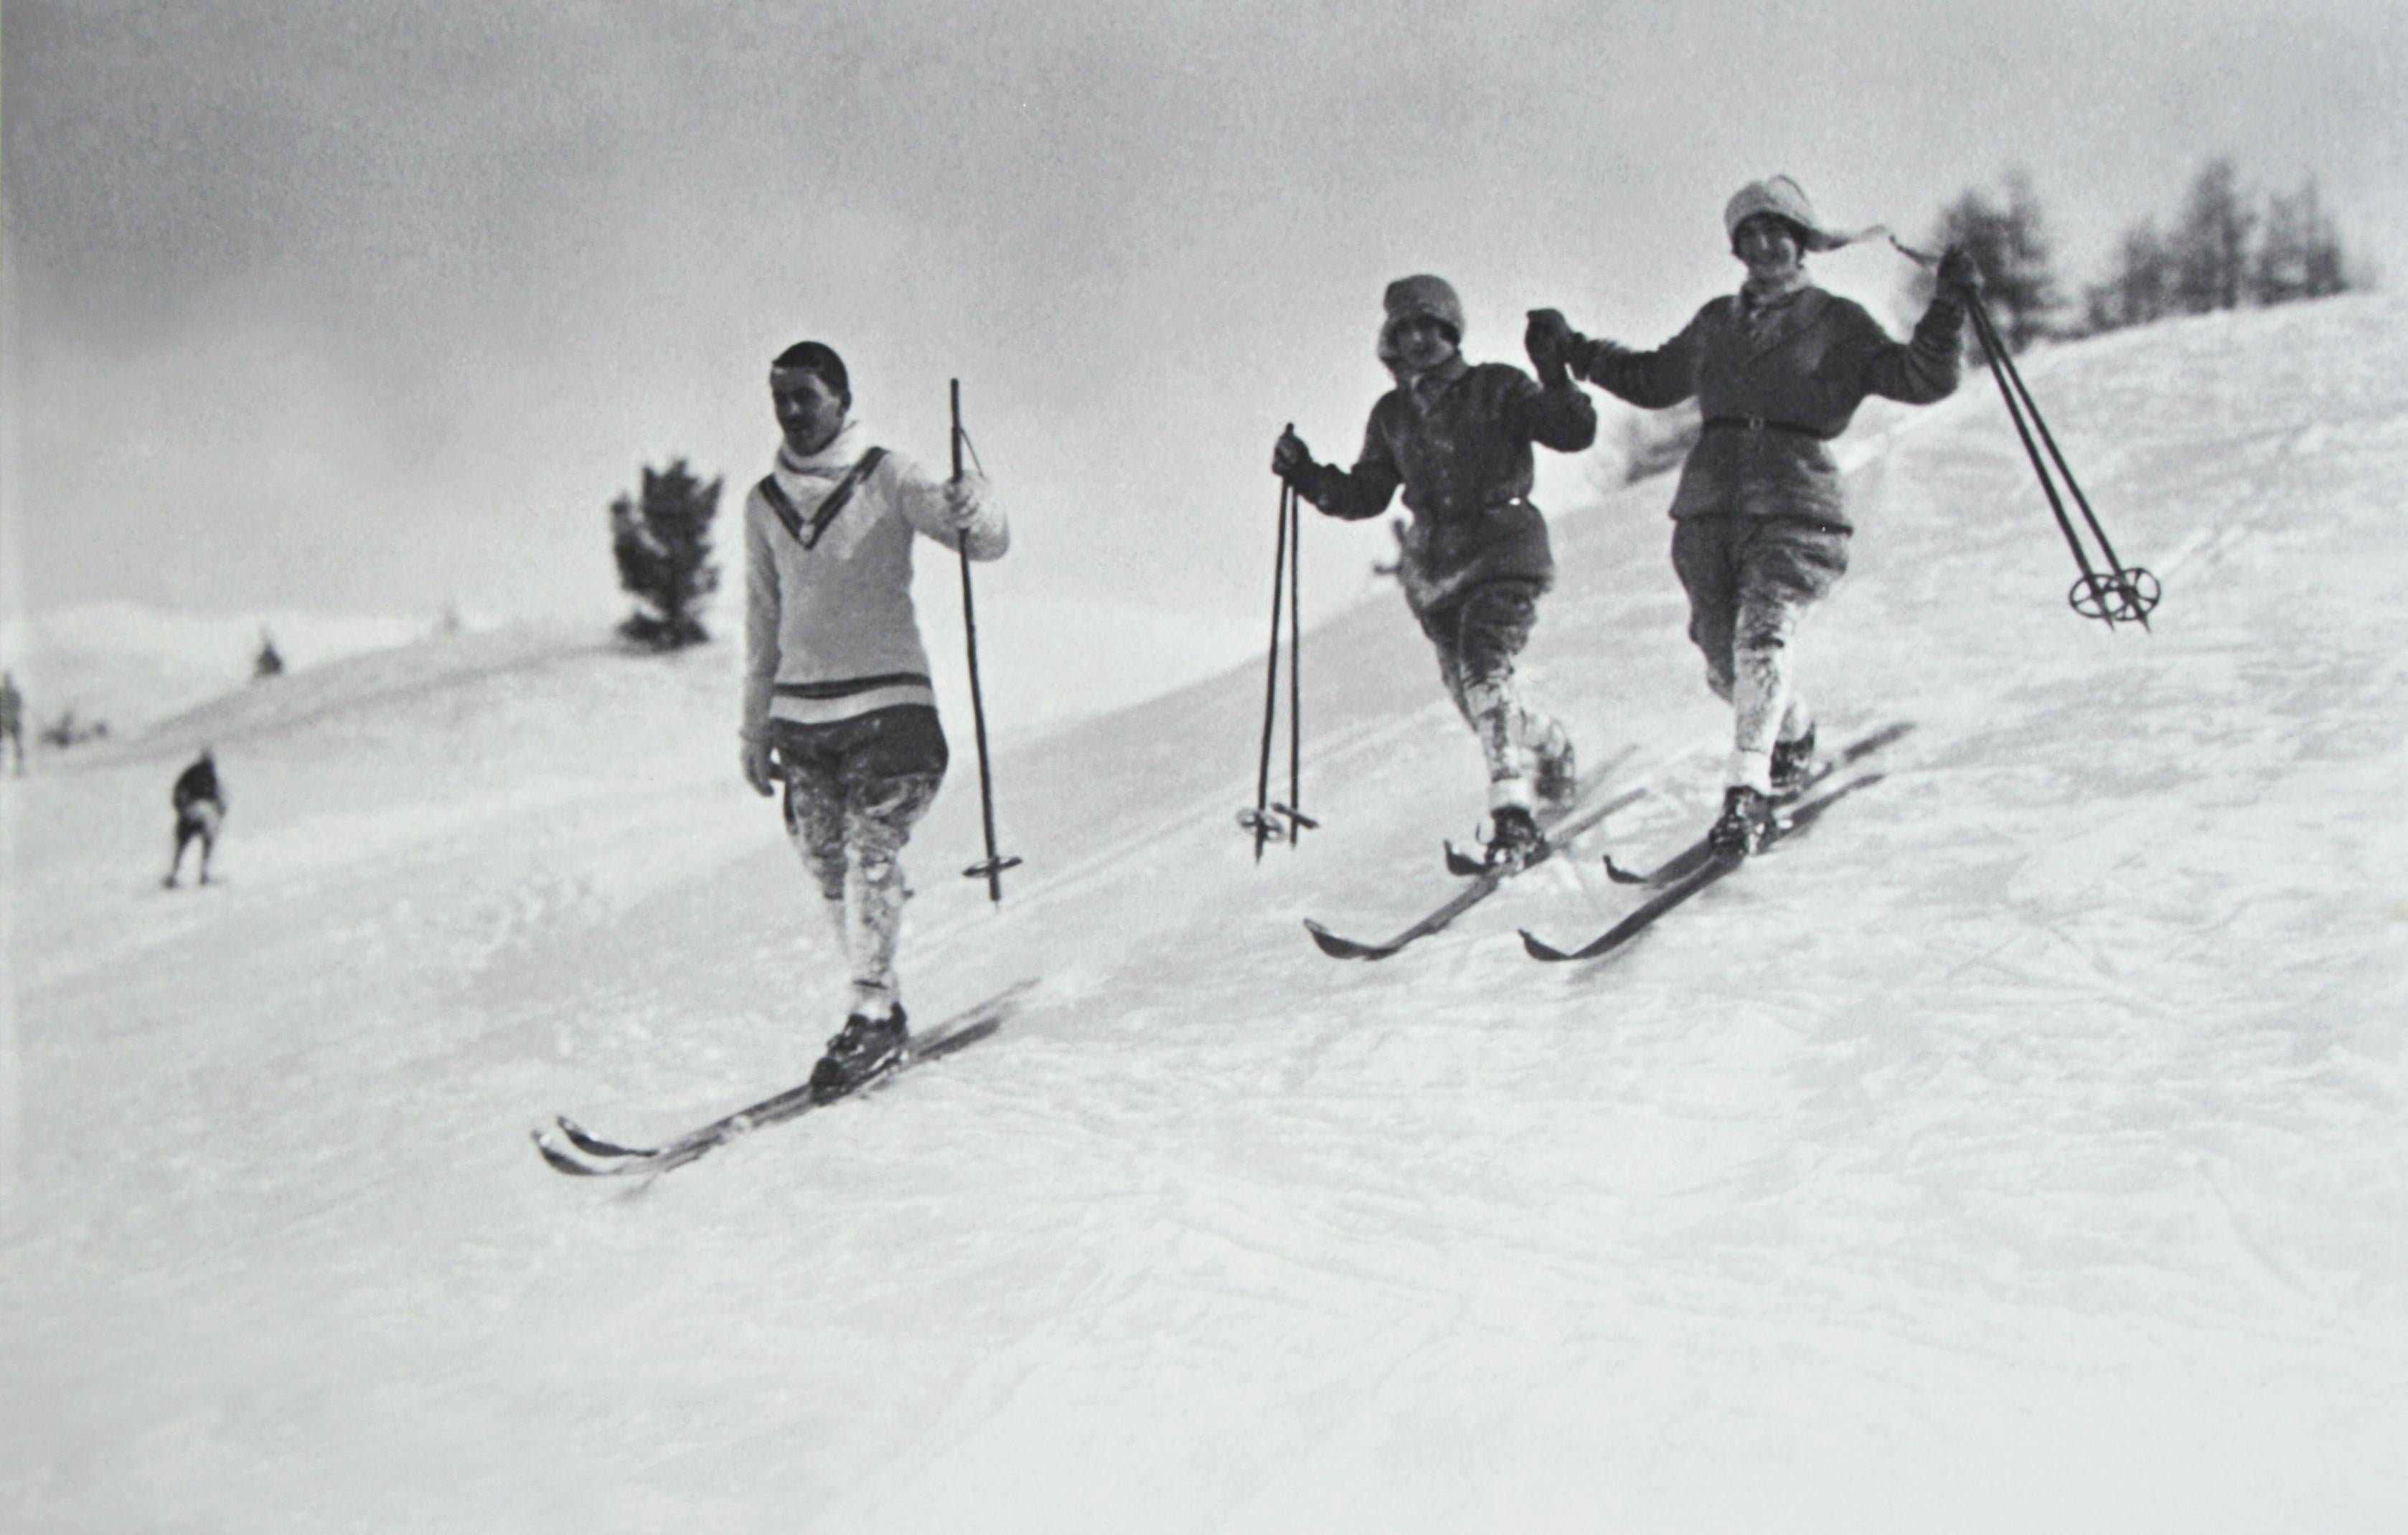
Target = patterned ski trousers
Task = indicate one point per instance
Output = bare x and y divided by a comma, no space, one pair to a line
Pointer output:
855,788
1477,637
1750,581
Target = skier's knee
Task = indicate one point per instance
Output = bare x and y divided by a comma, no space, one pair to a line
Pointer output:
877,868
1758,642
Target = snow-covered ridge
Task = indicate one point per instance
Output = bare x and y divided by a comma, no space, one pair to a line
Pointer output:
133,665
139,668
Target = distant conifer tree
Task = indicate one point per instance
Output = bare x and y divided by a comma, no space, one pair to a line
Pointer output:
267,663
2142,287
2221,254
2299,255
2211,245
662,540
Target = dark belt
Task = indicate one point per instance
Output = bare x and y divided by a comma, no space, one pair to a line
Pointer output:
847,687
1757,424
1481,510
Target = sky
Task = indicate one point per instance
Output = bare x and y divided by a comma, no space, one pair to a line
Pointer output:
375,307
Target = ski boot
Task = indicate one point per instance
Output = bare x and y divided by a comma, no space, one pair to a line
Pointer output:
1793,765
864,1047
1745,822
1556,783
1515,841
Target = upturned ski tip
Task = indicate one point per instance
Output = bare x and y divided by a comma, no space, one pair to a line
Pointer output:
561,1160
594,1145
1339,948
966,1027
1538,948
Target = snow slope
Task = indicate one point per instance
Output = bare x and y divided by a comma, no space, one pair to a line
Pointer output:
132,666
2024,1150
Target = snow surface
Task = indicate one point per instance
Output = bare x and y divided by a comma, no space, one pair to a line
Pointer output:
130,667
2025,1150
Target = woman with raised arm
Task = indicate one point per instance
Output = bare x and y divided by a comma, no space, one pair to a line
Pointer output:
1760,528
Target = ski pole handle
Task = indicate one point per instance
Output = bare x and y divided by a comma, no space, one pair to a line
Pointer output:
957,427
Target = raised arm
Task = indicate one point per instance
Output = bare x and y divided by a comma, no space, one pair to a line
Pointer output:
1651,379
1555,414
1926,366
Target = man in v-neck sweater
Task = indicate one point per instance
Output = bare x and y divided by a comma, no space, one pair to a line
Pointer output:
838,704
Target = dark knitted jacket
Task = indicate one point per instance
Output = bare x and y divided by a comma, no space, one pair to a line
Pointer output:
1804,364
1458,441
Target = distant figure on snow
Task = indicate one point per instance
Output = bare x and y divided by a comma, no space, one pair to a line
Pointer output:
200,810
12,718
1456,437
837,703
1759,530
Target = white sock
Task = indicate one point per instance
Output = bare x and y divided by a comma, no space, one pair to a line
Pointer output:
1511,793
1750,769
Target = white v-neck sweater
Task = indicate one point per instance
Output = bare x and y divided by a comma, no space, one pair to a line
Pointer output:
830,632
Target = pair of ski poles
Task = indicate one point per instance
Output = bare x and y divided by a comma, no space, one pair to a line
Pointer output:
2116,593
1284,820
992,868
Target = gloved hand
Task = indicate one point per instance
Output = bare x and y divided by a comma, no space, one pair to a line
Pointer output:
1957,273
966,498
759,771
1290,457
1549,339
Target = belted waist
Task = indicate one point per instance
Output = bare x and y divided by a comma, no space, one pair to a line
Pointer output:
847,687
1472,510
1757,424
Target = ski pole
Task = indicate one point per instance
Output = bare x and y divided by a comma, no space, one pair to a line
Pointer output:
1293,810
1297,670
2125,592
1259,820
993,868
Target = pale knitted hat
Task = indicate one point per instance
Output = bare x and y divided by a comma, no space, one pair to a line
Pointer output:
1784,198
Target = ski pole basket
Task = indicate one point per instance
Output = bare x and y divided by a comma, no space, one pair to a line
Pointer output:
2107,588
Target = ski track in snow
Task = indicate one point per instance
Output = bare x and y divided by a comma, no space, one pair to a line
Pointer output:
2023,1149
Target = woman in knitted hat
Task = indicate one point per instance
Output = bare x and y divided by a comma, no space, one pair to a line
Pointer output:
1456,437
1760,529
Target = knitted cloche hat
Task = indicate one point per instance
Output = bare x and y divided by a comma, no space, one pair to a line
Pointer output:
1784,198
1421,296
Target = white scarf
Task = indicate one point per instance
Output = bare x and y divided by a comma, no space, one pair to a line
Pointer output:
805,480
